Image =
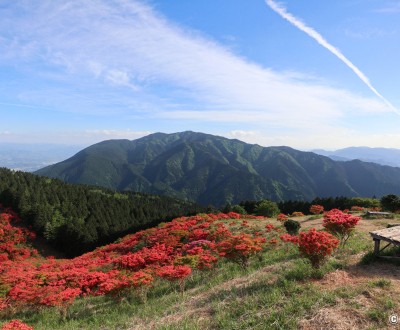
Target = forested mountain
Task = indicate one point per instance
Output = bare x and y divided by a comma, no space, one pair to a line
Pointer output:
77,218
214,170
383,156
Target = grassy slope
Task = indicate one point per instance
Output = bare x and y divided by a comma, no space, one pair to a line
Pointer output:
281,291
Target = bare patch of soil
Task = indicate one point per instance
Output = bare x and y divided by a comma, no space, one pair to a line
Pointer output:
338,318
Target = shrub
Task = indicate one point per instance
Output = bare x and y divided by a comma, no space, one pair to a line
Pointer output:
238,209
297,214
267,208
292,226
281,217
390,203
314,245
356,208
316,209
340,224
240,248
16,325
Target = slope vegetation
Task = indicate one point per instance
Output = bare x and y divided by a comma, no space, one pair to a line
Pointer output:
214,170
194,273
78,218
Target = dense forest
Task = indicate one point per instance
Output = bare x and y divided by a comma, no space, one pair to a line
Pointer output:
78,218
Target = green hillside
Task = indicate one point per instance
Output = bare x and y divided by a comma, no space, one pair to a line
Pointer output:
191,273
214,170
78,218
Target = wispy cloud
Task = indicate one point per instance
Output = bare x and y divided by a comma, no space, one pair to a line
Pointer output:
98,48
324,43
115,134
391,9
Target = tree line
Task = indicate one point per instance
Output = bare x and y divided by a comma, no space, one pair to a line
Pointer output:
269,208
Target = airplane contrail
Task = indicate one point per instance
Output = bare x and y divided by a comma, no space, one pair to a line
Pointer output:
324,43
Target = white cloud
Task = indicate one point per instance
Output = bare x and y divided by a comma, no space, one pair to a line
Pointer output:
324,43
126,43
242,134
122,78
103,134
328,137
101,47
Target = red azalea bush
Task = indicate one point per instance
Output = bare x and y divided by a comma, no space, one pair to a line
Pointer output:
175,273
316,209
16,325
340,224
357,208
297,214
239,248
281,217
314,245
13,238
269,227
171,251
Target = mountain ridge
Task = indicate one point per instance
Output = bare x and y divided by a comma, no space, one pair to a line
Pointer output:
382,156
215,170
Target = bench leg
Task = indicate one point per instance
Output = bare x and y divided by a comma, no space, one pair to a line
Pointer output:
377,245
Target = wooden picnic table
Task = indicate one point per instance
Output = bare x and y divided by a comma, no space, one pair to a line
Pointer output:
390,235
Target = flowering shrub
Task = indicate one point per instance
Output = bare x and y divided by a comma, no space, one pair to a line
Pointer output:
175,273
170,251
297,214
357,208
240,248
281,217
340,224
269,227
12,238
316,209
314,245
16,325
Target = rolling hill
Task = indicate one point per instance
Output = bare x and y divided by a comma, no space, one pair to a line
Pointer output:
214,170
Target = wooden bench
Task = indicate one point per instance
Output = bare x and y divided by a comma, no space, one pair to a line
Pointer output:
378,213
375,214
390,235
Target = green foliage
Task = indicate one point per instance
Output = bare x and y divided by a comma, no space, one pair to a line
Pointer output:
214,170
381,283
52,227
267,208
238,209
78,218
329,203
391,203
364,202
292,226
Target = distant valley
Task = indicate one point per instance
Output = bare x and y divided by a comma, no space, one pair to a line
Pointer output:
214,170
31,157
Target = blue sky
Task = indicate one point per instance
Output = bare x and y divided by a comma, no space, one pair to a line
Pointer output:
305,73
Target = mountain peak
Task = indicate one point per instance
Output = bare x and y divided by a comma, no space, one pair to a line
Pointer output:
215,170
